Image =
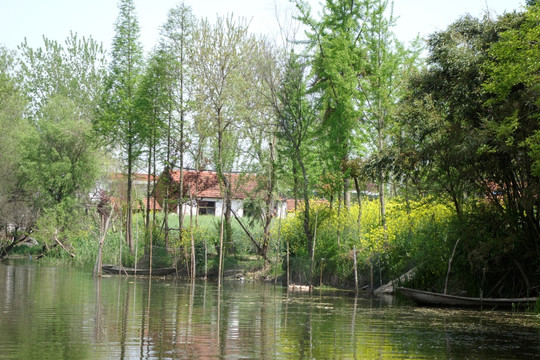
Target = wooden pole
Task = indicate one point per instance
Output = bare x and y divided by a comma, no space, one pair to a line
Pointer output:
99,260
450,266
371,274
355,269
320,274
277,251
220,267
193,264
288,266
313,254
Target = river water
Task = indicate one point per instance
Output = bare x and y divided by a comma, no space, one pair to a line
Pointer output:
57,313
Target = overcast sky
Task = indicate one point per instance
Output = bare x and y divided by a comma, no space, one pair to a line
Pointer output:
56,18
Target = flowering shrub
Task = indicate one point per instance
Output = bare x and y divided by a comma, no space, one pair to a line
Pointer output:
416,232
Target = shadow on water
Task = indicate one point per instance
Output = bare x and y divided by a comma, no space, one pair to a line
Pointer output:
51,313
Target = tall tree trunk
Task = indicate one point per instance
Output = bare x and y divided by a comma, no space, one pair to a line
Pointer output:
381,172
153,212
148,182
220,265
129,219
223,179
193,264
359,199
181,185
182,114
295,188
168,183
305,190
382,202
346,193
269,198
338,222
228,226
313,253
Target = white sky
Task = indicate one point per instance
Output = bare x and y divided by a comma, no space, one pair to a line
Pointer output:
55,18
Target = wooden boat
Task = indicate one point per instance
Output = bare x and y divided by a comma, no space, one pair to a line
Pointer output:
120,270
436,299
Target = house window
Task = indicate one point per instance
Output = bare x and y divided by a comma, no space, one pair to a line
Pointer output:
207,207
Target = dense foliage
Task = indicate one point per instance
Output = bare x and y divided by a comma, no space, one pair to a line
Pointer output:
444,155
470,130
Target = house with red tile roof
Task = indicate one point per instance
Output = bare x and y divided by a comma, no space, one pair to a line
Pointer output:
202,193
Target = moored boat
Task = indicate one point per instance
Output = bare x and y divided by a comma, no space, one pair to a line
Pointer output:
120,270
421,297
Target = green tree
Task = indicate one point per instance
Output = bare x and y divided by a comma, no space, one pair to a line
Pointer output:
338,59
297,124
219,54
17,212
58,167
75,70
446,104
151,105
381,86
468,130
510,133
58,159
176,40
117,120
57,163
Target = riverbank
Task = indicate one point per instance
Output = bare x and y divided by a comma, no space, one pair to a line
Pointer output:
459,254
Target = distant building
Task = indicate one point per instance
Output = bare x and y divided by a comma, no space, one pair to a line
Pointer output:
202,192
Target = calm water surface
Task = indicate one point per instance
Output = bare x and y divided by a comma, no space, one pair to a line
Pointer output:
52,313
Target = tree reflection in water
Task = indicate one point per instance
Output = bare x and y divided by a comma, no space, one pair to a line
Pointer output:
49,313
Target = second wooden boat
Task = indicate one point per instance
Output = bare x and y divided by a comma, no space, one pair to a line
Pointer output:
120,270
436,299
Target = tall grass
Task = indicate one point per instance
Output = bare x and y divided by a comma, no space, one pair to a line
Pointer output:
417,233
84,241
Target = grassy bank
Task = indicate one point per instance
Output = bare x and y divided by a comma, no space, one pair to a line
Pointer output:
423,234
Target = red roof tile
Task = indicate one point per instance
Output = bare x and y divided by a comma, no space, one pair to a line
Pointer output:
209,186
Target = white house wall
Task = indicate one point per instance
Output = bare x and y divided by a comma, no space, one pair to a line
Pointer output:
237,206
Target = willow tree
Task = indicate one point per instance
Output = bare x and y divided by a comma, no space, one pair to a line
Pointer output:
381,86
338,59
16,213
297,128
117,120
74,69
58,157
219,56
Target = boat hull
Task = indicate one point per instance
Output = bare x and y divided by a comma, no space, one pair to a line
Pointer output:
120,270
436,299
